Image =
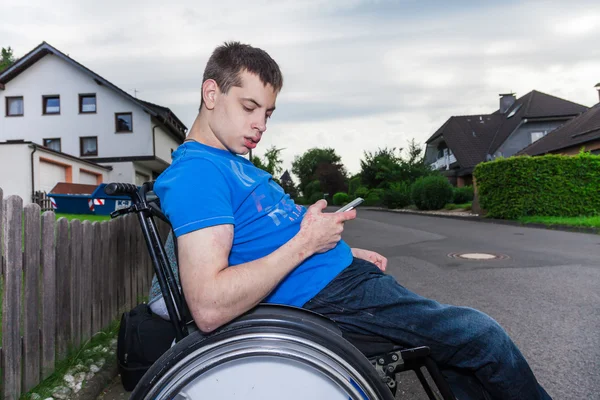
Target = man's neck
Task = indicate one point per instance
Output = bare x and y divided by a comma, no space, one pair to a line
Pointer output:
201,132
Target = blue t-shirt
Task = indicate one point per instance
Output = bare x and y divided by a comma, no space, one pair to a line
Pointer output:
205,186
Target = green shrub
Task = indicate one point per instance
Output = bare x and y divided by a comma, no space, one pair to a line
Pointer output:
361,192
397,196
315,197
339,199
551,185
311,188
353,185
301,200
374,198
462,195
431,192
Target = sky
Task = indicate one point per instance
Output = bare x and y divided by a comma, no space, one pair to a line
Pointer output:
358,74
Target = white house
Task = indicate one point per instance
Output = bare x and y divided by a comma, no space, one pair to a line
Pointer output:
51,100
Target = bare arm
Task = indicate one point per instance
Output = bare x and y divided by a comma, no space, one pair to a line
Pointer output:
217,293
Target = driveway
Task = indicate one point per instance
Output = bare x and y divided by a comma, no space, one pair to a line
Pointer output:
545,289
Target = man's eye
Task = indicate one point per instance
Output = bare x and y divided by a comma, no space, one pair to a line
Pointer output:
248,109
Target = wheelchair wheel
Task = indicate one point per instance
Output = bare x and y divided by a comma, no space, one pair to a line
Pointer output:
272,353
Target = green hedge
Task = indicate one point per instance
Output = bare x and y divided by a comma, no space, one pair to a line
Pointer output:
551,185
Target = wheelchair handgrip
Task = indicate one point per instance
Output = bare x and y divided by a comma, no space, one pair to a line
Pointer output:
116,189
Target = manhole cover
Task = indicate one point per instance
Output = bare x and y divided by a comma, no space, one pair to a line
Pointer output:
478,256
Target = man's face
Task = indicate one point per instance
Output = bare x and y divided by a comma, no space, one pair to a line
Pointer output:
240,116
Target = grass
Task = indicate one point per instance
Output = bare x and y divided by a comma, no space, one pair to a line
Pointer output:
586,222
84,217
80,356
465,206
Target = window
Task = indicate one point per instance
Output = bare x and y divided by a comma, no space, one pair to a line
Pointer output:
596,152
53,144
124,122
14,106
87,103
51,105
88,146
535,136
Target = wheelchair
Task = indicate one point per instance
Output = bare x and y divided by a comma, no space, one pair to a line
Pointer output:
270,352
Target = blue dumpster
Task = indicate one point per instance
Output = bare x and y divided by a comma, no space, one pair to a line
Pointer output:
97,202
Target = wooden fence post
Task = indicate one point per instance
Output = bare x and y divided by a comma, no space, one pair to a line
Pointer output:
49,315
63,286
76,243
31,337
97,278
86,281
105,272
11,304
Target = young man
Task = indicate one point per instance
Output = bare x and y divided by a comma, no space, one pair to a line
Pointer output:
243,241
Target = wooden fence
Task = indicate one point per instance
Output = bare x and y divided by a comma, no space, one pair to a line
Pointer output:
62,282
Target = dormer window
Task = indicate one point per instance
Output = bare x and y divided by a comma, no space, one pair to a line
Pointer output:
14,106
513,112
51,105
124,122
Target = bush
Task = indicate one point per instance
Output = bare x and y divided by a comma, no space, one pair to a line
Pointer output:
315,197
462,195
361,192
311,188
431,192
339,199
301,200
353,185
397,196
374,198
551,185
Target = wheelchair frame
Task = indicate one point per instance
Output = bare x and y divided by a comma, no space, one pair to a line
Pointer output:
388,359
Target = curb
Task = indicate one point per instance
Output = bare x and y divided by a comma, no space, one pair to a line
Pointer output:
477,218
94,387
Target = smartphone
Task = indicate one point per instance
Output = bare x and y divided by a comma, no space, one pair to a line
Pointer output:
353,204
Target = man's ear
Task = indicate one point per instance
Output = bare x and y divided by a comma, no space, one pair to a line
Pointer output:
209,93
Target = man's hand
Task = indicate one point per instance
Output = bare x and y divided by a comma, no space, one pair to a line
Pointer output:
323,231
371,256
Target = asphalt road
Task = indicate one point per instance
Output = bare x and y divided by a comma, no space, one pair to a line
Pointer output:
545,291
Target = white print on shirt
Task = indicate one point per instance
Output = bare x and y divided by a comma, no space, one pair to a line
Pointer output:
238,170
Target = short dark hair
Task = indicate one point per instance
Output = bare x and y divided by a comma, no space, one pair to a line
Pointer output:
231,58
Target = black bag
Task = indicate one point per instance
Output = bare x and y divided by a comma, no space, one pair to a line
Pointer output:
143,338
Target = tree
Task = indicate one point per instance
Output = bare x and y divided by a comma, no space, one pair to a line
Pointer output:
271,161
386,166
288,185
323,165
6,58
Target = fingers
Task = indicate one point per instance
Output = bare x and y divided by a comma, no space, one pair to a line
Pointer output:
346,215
318,207
383,263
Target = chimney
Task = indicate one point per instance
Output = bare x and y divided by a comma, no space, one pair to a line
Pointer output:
506,101
598,89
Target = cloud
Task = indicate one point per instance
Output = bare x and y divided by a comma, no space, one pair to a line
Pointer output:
359,74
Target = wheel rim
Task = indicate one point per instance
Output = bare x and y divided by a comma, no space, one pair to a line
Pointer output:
291,351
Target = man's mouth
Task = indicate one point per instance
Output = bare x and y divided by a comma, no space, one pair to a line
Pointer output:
250,143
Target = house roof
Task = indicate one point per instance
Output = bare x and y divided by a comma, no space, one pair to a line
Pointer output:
163,114
577,131
469,136
473,137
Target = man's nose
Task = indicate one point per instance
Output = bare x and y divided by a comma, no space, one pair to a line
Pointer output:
260,125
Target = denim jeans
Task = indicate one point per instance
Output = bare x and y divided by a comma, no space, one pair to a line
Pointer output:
362,299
